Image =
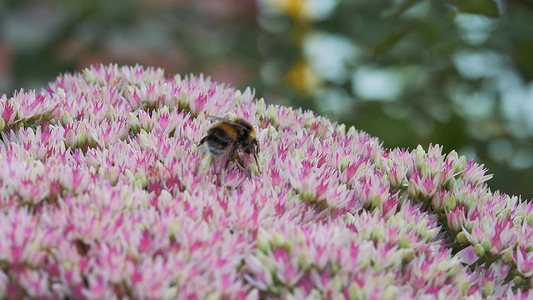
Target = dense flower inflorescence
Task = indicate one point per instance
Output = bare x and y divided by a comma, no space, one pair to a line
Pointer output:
105,194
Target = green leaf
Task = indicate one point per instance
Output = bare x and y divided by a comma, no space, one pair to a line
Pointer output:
399,9
390,41
488,8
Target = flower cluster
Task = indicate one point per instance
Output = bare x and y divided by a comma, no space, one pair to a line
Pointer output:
104,193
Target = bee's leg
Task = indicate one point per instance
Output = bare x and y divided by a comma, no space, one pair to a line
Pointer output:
202,141
257,149
257,162
231,154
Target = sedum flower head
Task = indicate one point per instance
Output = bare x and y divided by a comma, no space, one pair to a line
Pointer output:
105,194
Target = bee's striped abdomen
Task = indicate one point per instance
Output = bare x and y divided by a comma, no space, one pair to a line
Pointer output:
219,138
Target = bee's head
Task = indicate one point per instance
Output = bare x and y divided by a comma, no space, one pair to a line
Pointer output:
252,148
255,145
251,145
249,129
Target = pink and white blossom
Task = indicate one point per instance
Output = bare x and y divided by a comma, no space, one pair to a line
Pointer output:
104,194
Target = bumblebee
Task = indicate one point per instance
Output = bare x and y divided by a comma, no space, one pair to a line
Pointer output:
226,137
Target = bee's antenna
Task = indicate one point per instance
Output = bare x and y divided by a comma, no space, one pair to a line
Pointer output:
257,162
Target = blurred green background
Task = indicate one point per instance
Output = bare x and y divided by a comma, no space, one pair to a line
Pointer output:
453,72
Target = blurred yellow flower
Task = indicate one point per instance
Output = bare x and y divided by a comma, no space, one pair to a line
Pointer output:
293,8
302,10
304,78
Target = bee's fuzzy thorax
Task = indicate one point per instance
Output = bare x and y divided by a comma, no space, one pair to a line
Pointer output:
227,128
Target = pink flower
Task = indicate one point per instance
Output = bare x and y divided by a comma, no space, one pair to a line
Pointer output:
524,261
8,112
106,194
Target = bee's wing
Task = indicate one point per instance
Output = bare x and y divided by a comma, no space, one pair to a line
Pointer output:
226,120
219,119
